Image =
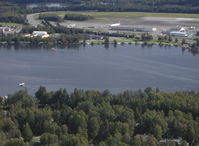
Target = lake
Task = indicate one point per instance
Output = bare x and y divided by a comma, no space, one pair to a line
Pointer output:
95,67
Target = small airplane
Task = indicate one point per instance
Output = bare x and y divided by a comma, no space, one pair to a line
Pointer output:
21,84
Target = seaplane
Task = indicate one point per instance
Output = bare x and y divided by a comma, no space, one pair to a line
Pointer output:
21,84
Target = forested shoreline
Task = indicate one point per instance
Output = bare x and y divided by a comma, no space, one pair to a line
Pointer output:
86,117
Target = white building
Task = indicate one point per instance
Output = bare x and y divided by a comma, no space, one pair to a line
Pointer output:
5,30
42,34
39,33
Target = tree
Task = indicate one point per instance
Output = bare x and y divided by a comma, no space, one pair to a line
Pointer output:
197,42
15,142
76,120
183,41
152,142
153,122
48,139
2,138
7,124
73,140
40,94
115,43
27,132
158,132
93,127
106,42
170,39
137,141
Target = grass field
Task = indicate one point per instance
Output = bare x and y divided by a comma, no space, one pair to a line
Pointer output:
9,24
129,15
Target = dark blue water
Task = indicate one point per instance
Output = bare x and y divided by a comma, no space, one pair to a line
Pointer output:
117,69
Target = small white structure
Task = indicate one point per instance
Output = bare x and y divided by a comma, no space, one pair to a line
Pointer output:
42,34
39,33
154,29
5,30
3,99
178,141
71,25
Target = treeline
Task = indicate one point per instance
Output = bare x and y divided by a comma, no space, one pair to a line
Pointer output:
175,6
77,17
56,18
50,17
11,13
83,118
12,18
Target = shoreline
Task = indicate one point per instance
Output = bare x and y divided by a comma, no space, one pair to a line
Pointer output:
47,45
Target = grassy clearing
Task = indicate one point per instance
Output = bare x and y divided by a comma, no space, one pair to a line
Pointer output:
128,15
2,106
35,139
9,24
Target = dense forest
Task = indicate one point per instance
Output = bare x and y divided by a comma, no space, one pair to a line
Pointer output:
178,6
82,118
50,17
10,12
77,17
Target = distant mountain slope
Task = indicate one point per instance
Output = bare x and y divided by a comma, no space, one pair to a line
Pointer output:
145,2
182,6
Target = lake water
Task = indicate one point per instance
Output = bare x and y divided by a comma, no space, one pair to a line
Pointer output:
95,67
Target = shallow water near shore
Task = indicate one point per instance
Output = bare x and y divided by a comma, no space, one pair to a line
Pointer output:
95,67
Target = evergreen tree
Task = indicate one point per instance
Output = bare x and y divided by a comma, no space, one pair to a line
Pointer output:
15,142
93,127
183,41
27,132
170,39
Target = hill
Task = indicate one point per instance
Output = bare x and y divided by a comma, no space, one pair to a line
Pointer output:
177,6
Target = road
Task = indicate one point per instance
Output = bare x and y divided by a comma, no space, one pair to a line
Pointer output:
32,20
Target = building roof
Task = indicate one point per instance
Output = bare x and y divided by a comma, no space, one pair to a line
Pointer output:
39,33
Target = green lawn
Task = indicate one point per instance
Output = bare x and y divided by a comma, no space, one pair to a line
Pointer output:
9,24
35,139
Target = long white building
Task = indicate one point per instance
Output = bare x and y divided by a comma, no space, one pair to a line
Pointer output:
39,33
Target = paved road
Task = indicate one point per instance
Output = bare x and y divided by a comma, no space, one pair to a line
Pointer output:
32,20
